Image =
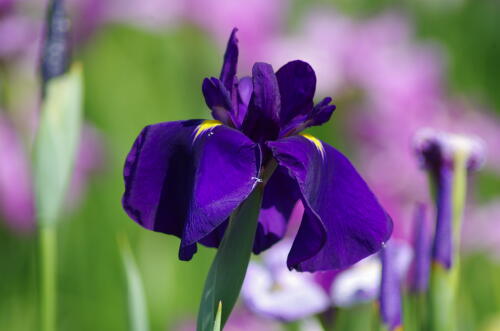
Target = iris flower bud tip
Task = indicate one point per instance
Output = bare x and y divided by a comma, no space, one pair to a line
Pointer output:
433,146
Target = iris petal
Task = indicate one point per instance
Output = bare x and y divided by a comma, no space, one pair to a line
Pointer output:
218,100
343,221
262,120
230,63
280,196
297,84
181,183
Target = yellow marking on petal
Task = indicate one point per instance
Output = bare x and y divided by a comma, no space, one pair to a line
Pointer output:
398,328
315,141
205,126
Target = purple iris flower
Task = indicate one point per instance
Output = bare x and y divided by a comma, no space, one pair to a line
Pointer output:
419,276
271,290
186,178
394,267
437,151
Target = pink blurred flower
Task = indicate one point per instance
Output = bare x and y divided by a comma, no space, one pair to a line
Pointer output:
240,320
481,226
258,21
154,14
398,86
16,191
17,203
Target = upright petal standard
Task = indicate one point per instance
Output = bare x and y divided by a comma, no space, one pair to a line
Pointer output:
186,178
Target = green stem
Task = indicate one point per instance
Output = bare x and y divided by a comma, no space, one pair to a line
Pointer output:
227,272
48,262
443,282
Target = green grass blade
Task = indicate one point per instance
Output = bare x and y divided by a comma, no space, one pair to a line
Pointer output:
218,317
137,306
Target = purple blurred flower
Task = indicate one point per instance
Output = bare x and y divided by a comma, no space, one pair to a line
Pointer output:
5,6
395,263
480,224
17,33
361,282
170,173
240,320
271,290
437,152
419,275
16,191
357,284
16,187
145,13
225,14
385,75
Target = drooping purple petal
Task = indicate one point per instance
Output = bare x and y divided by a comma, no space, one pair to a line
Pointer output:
262,119
297,84
419,277
230,64
280,196
343,221
218,99
185,178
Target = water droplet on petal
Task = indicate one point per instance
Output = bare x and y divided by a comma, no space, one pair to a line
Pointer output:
257,179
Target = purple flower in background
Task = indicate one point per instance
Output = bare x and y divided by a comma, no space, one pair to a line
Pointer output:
361,282
16,191
481,224
419,276
186,178
241,319
394,267
357,284
271,290
225,14
5,6
144,13
16,187
383,74
438,152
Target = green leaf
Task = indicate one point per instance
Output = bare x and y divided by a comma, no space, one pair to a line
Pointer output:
217,326
57,143
226,275
136,299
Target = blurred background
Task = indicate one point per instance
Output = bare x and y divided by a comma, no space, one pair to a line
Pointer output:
392,67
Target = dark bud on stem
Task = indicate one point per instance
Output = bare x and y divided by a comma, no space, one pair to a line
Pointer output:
56,47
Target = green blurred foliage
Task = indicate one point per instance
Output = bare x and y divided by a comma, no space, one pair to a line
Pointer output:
134,78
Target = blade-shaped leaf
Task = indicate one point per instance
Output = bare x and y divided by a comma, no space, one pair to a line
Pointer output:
137,307
217,326
57,142
226,275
